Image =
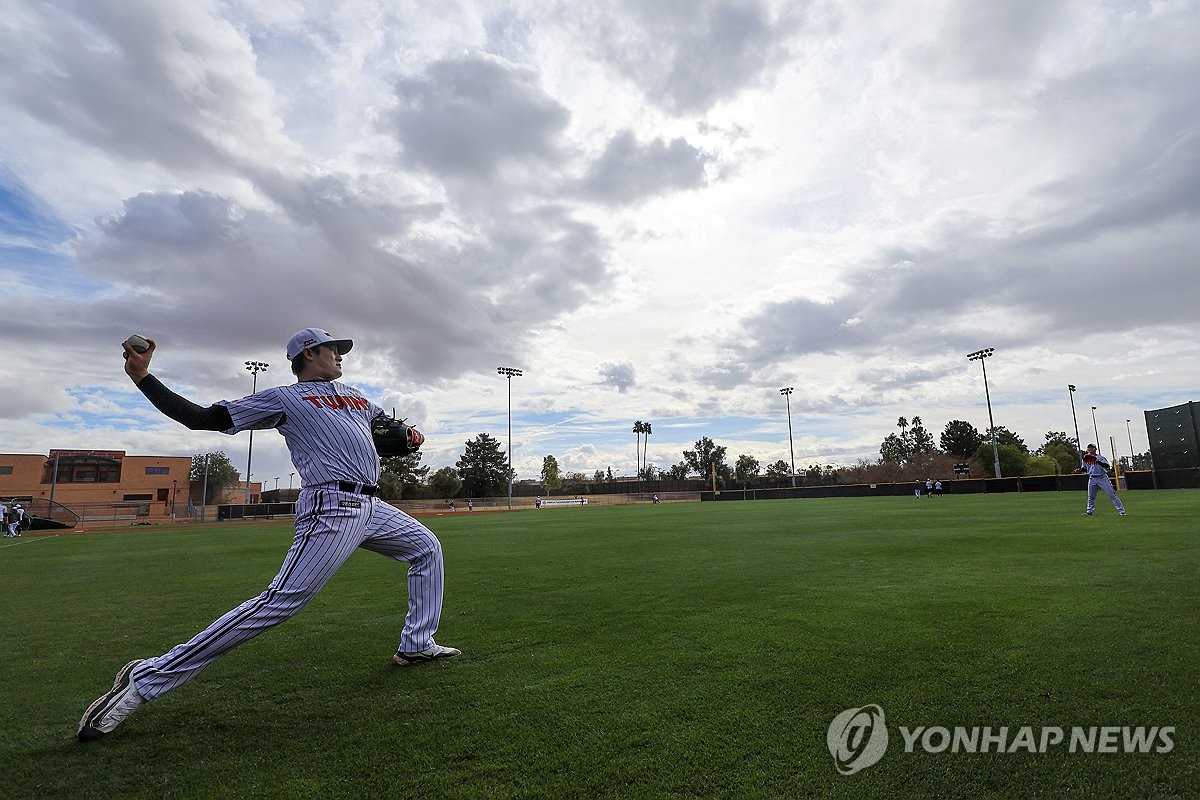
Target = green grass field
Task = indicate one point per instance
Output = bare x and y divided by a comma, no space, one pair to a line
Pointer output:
695,650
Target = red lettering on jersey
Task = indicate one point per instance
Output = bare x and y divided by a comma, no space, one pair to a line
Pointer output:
338,402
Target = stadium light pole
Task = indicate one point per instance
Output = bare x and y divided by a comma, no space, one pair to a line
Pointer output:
254,368
204,487
1130,435
787,395
509,373
1071,389
1095,429
980,355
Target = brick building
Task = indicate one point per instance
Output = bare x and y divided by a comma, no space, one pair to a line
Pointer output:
99,484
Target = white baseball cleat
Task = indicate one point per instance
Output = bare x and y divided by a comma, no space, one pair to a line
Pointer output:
110,709
431,653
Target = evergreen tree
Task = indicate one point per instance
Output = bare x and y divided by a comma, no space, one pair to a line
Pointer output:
483,467
961,438
1014,461
1006,437
445,483
402,473
1063,449
550,477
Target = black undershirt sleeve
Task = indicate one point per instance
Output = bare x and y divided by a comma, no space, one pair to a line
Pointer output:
184,411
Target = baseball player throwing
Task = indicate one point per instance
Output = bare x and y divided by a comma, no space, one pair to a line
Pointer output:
328,429
1096,467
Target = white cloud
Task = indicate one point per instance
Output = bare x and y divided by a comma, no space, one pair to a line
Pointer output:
690,203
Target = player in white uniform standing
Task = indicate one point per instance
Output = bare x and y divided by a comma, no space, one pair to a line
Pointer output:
1096,467
327,426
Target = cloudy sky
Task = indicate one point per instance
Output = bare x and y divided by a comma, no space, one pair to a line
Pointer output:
661,211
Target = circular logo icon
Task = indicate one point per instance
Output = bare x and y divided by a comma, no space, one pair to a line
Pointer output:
857,738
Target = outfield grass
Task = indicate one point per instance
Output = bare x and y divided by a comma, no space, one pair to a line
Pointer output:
696,650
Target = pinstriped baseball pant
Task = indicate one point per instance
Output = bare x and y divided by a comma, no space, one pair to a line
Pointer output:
1096,485
330,526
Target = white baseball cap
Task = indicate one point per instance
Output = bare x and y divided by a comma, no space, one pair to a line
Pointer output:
314,337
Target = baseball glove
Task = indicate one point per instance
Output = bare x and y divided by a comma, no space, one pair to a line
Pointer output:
394,438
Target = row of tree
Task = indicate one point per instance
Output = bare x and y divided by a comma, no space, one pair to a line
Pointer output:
215,474
1058,454
910,453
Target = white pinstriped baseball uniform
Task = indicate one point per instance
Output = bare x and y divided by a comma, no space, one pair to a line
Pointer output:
1098,481
327,426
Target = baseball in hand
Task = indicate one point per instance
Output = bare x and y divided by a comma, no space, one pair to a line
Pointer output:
138,343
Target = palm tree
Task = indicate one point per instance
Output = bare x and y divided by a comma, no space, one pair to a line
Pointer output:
646,449
638,427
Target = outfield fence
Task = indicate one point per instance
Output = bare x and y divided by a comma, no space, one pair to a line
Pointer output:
1134,479
529,503
46,515
258,511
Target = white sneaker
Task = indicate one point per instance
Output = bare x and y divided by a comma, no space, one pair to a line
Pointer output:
111,709
431,653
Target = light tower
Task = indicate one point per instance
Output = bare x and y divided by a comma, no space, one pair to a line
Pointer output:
980,355
509,373
787,395
254,367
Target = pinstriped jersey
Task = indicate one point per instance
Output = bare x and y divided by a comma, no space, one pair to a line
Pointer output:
1098,468
326,424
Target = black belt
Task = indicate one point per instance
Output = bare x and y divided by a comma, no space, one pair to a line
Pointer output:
357,488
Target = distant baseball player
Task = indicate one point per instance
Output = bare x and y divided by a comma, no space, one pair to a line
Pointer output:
1096,467
16,516
331,432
